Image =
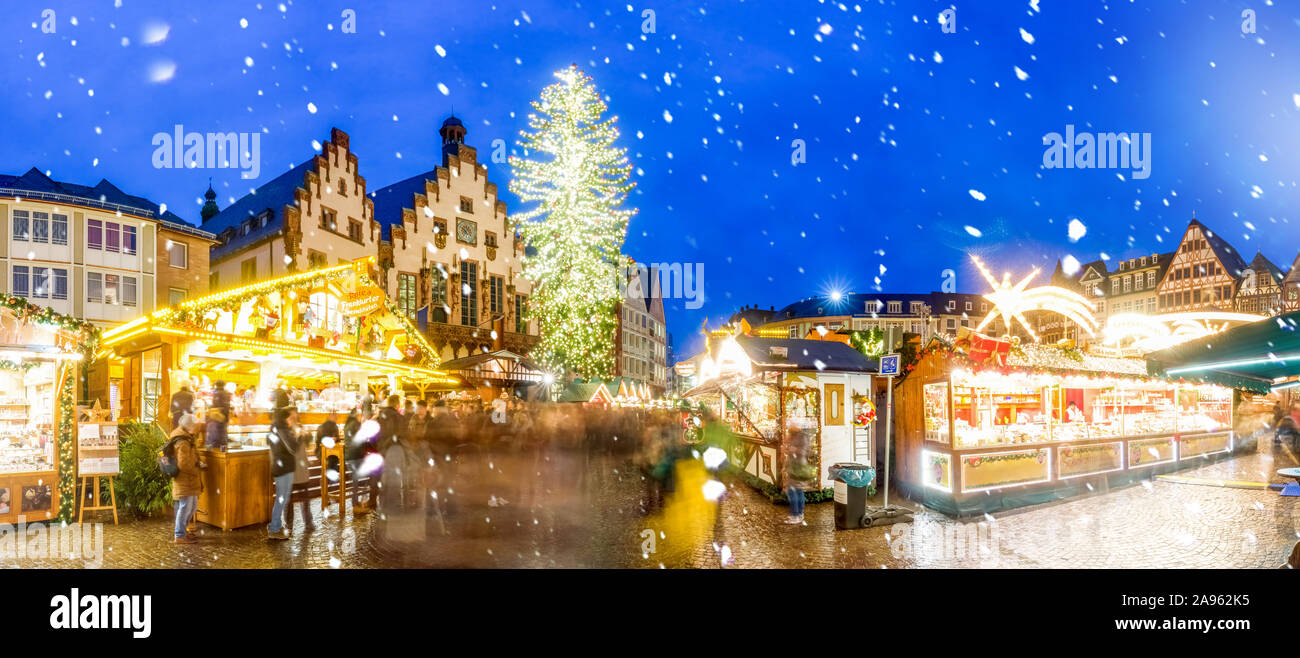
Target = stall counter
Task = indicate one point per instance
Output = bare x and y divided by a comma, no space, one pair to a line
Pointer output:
237,488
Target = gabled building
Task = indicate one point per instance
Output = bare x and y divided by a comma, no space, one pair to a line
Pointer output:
1203,274
1291,287
312,216
450,257
1260,288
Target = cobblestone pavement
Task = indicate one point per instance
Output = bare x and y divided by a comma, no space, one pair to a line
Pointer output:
586,514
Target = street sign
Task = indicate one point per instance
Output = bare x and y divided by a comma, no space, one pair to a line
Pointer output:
889,365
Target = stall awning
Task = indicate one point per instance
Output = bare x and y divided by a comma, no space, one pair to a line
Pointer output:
1259,357
501,366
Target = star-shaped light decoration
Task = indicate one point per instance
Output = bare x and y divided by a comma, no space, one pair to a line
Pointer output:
1012,301
95,414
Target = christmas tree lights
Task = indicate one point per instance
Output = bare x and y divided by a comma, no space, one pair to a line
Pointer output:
579,180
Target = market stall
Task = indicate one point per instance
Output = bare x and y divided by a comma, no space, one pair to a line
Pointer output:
326,339
40,354
766,388
490,373
985,424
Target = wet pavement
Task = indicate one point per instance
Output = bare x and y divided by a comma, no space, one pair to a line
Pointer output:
588,512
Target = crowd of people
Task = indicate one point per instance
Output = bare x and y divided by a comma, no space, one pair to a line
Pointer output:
423,460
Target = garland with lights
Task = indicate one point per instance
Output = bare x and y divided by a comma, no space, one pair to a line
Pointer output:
192,315
26,311
67,448
575,232
870,342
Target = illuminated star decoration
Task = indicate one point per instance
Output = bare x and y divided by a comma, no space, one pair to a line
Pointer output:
1013,301
1150,333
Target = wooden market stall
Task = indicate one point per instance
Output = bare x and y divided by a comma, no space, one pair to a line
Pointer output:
985,424
327,338
40,354
761,387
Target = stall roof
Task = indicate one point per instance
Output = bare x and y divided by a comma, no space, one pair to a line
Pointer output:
804,354
1257,357
579,391
510,367
1051,358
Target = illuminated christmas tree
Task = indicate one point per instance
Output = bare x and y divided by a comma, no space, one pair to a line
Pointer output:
579,179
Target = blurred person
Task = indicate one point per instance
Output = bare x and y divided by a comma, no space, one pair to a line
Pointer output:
284,447
218,417
182,403
187,485
301,477
354,453
798,472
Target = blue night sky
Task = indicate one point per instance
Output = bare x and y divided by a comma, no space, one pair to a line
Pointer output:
904,125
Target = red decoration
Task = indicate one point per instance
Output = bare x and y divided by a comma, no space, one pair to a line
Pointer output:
991,350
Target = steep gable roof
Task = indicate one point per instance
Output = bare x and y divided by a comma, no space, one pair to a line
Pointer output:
273,195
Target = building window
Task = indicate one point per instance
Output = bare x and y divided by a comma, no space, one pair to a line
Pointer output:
439,226
22,226
175,296
406,295
94,234
969,306
316,259
112,237
178,254
329,219
490,239
248,271
128,240
521,310
1151,279
21,274
895,307
497,294
1128,284
437,296
466,204
354,230
1114,286
916,308
469,294
94,287
214,281
41,227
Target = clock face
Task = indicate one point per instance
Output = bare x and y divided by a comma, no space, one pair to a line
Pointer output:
466,231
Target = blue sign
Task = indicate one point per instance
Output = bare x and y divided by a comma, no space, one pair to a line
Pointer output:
889,365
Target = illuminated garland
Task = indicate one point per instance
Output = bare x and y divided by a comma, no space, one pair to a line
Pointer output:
20,366
575,233
29,312
67,446
870,342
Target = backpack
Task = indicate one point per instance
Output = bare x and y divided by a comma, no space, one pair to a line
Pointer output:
167,459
